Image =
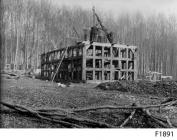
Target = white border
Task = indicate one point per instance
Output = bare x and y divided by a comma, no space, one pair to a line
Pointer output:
84,134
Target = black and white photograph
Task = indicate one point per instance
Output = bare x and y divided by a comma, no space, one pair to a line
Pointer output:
89,64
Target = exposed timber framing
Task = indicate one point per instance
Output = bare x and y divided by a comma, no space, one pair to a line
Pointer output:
90,62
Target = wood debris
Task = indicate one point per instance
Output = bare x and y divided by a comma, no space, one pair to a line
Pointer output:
70,117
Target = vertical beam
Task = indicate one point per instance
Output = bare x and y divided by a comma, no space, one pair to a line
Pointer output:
127,63
72,69
135,66
119,63
111,67
93,62
84,62
102,62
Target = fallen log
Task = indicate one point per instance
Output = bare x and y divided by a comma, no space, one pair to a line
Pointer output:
169,100
108,107
155,119
125,107
63,119
38,115
64,123
105,107
128,119
169,122
68,117
88,122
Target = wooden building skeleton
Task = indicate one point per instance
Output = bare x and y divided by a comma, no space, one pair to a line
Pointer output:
91,62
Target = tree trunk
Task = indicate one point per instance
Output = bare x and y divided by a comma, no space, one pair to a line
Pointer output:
16,52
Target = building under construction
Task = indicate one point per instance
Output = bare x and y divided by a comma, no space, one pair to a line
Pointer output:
96,59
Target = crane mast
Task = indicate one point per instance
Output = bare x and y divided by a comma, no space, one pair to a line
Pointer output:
109,35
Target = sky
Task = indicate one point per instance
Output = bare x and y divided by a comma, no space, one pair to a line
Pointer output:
116,7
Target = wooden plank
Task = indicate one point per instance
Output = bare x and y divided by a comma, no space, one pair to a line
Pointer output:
59,64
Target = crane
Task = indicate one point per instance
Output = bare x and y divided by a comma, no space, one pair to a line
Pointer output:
109,35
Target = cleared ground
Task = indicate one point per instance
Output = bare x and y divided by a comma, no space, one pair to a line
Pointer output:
35,93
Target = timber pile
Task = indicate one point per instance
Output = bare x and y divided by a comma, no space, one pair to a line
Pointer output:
164,88
18,74
132,116
10,75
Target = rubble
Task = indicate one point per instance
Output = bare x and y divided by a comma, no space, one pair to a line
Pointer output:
164,88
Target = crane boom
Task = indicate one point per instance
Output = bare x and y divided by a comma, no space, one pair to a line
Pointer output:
108,35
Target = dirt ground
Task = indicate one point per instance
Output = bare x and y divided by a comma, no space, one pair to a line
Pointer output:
35,93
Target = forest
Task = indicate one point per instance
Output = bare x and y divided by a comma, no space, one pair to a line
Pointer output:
32,27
